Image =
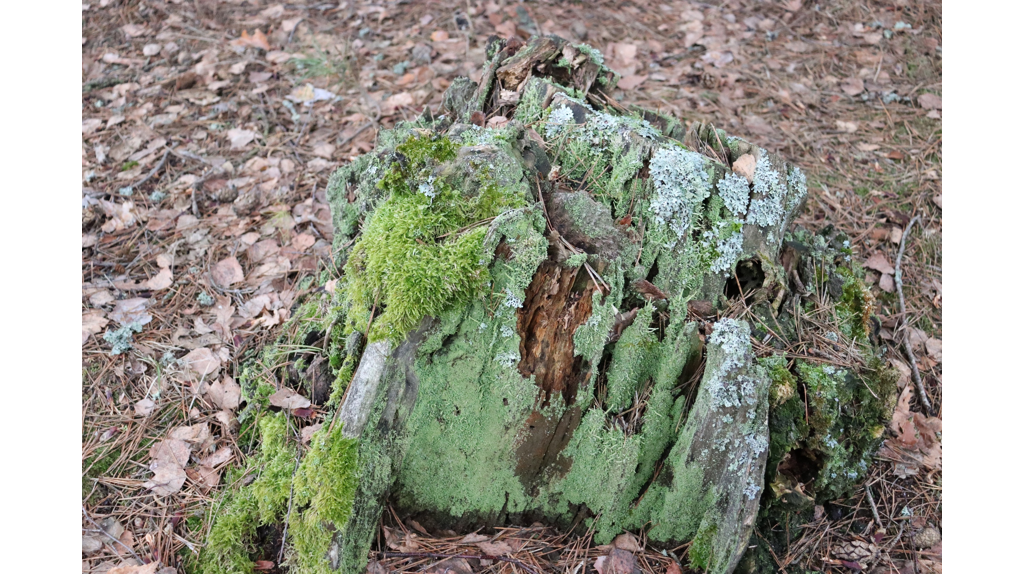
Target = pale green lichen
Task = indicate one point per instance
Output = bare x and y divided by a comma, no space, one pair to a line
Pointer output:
681,184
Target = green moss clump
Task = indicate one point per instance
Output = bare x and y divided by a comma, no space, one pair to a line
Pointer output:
633,360
414,258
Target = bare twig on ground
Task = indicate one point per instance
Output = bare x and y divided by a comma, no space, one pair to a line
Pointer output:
921,394
85,513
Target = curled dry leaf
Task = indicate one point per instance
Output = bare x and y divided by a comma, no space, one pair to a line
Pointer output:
626,541
287,398
161,280
227,272
916,442
494,548
744,165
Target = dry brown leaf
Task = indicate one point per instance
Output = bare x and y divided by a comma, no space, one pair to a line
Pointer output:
852,86
93,322
745,165
626,541
494,548
161,280
145,407
307,432
257,40
150,568
287,398
847,127
225,393
757,125
930,101
473,538
128,311
631,82
202,361
934,348
439,36
879,263
887,283
240,138
227,272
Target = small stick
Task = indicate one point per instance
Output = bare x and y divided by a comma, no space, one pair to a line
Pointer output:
921,394
111,536
874,509
152,172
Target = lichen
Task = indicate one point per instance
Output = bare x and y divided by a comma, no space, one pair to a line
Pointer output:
120,339
735,192
681,183
766,208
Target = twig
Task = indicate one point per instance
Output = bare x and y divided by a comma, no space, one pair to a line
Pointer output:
111,536
153,171
874,508
921,394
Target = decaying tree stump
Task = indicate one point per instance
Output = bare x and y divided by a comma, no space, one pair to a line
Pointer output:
574,312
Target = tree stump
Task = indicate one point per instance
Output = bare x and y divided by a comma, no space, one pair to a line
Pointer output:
575,312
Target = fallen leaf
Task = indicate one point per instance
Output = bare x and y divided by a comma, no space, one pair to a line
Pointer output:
324,150
145,407
93,322
287,398
473,538
934,348
240,138
308,432
134,30
930,101
161,280
150,568
631,82
194,434
937,199
202,361
757,125
494,548
91,125
847,127
626,541
879,263
308,94
673,568
257,40
852,86
225,393
171,451
439,36
916,443
886,283
227,272
128,311
397,101
745,165
896,235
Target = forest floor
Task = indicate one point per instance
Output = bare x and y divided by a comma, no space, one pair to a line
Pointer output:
209,130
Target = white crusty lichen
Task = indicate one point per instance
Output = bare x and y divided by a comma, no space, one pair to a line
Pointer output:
729,389
797,187
681,184
766,208
734,190
558,119
729,248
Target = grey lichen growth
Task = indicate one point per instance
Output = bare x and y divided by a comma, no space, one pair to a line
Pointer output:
121,338
734,190
205,300
681,183
558,119
766,208
729,250
797,187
